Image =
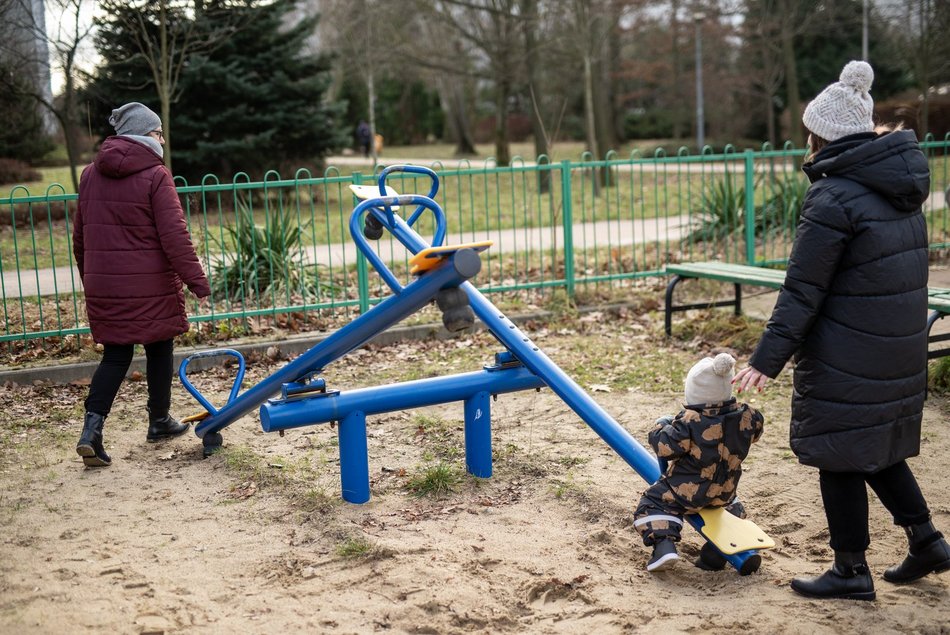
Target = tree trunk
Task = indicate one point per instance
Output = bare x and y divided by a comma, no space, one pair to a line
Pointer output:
678,97
791,79
502,149
453,99
371,95
589,116
161,70
532,64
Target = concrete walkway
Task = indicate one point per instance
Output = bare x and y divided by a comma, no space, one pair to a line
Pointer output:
620,233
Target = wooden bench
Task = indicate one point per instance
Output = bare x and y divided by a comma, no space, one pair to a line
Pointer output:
738,275
938,300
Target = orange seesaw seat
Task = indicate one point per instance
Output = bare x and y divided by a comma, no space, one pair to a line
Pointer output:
431,256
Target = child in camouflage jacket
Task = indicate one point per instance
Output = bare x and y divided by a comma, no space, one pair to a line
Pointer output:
700,452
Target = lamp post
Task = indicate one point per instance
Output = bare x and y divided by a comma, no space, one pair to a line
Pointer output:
698,18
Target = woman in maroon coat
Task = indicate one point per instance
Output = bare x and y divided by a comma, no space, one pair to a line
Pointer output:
133,252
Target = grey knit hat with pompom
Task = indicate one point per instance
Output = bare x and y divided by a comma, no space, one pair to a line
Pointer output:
710,380
845,107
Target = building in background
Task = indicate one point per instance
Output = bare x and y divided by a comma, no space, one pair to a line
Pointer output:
25,50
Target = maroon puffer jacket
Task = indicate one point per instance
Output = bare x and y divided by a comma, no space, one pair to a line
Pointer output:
132,247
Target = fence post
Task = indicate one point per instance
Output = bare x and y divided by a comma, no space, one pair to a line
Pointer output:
567,220
362,271
749,207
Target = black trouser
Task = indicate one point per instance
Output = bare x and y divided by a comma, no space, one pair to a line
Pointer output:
846,503
159,360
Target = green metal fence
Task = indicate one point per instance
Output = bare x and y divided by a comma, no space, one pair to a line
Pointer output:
279,248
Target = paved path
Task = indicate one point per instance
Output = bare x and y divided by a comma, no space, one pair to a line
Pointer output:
618,233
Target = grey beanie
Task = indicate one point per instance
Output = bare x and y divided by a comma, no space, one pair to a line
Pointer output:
710,380
845,107
134,119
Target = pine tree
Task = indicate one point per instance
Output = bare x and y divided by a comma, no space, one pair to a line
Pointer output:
258,101
254,101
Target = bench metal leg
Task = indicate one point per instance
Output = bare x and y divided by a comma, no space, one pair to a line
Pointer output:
668,317
931,319
670,308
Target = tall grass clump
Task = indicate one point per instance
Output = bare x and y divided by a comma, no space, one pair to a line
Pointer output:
259,260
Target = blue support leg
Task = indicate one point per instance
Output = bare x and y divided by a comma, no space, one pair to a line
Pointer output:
354,458
478,435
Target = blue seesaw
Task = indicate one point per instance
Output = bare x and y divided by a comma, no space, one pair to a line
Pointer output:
440,273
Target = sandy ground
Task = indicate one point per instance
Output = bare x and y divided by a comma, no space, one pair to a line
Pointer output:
256,540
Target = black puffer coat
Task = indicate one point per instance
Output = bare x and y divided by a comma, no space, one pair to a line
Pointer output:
853,309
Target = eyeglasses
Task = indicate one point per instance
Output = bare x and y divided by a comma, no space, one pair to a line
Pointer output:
158,133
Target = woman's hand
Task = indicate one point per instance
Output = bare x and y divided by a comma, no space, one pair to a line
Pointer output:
749,378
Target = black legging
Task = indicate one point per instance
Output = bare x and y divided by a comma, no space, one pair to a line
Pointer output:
846,503
159,362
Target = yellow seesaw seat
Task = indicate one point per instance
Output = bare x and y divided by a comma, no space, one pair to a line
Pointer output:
364,192
431,256
732,534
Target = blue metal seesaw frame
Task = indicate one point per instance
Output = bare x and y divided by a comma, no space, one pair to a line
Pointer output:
305,401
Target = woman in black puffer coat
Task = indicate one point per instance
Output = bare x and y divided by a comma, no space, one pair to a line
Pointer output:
853,313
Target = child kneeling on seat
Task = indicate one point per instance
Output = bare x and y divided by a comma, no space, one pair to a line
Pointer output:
700,452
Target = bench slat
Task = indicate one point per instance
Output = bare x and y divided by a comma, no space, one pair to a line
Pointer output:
725,272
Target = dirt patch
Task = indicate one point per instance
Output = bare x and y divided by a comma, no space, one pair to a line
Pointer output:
256,538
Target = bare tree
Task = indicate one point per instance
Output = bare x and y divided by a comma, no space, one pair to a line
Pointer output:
367,34
166,35
920,29
493,29
763,64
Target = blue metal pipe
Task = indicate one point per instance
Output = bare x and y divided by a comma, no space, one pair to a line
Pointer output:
295,413
459,267
354,458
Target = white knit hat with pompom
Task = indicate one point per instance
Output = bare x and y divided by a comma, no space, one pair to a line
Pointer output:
845,107
710,380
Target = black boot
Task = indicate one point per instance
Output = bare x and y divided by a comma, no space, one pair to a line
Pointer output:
848,579
161,427
928,553
90,442
710,559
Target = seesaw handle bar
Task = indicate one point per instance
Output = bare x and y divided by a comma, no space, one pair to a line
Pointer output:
221,352
397,227
412,169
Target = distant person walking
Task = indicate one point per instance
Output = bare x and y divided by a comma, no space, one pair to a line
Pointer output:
853,313
364,137
133,252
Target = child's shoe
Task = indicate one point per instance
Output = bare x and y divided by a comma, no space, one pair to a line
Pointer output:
664,555
710,559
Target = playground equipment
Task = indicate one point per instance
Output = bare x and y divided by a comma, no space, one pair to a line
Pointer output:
441,273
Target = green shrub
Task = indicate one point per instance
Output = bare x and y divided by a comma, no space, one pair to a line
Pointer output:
719,214
14,172
781,210
257,261
938,376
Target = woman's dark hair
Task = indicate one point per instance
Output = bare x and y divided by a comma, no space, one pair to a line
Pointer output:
815,144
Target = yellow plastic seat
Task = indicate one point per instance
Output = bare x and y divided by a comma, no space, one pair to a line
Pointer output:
732,534
201,416
431,256
364,192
